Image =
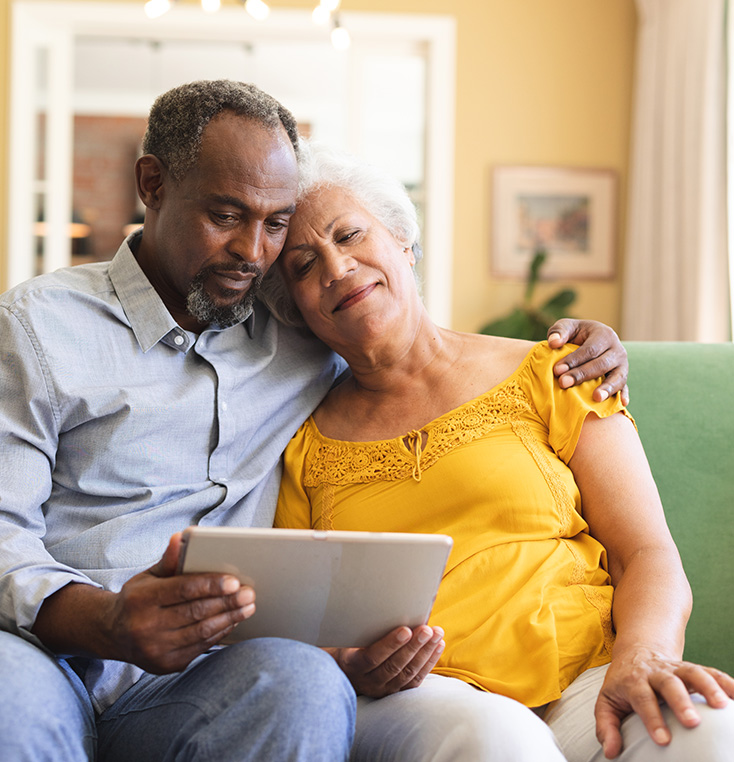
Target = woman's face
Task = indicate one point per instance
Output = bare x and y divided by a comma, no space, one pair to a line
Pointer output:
348,275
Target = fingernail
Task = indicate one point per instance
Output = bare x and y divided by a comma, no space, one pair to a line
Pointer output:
230,585
404,636
691,715
562,368
719,697
603,394
245,596
661,736
565,381
424,636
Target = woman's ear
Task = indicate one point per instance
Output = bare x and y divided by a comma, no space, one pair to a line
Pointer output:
149,180
410,255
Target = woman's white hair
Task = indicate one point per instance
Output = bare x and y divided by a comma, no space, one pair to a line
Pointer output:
378,192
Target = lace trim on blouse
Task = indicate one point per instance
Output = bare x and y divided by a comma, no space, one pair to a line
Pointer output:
340,463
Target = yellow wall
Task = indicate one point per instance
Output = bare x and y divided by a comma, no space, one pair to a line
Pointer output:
538,82
4,115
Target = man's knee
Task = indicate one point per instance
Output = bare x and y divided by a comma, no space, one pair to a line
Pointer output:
45,714
298,703
299,677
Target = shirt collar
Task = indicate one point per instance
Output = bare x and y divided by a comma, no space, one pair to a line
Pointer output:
149,319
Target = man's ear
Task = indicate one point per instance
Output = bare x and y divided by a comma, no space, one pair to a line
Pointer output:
149,173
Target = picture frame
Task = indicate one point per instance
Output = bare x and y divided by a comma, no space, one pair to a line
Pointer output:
570,213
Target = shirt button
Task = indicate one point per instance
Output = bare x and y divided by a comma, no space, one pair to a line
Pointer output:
179,340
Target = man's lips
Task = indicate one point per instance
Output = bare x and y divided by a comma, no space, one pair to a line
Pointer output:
234,279
355,296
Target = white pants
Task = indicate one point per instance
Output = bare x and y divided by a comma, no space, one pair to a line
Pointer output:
447,720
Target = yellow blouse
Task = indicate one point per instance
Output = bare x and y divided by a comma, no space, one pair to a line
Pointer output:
526,598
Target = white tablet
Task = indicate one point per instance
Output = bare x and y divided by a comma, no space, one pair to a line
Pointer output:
324,588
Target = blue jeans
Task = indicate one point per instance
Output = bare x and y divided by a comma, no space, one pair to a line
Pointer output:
45,711
264,699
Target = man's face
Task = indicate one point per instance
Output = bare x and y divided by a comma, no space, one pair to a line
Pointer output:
214,234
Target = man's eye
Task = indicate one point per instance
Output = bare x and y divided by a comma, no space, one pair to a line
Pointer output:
277,225
223,216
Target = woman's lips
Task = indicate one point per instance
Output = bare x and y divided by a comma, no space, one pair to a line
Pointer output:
355,296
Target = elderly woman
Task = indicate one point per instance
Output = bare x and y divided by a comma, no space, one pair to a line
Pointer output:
564,602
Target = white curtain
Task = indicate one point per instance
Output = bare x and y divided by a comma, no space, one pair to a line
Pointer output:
676,279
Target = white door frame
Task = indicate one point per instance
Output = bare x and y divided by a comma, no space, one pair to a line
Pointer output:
53,26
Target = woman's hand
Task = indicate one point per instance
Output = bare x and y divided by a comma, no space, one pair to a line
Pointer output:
637,680
601,354
399,661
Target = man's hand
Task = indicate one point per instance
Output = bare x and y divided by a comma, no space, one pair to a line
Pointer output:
399,661
600,354
159,620
638,681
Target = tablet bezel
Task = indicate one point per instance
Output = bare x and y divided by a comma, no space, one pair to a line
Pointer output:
326,588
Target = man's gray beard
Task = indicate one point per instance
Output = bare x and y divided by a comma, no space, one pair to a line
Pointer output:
200,305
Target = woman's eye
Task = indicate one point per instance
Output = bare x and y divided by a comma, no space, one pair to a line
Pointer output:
346,237
300,267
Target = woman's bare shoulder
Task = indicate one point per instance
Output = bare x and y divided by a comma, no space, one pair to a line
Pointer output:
489,360
498,351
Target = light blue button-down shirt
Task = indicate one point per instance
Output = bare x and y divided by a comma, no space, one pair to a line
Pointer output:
119,428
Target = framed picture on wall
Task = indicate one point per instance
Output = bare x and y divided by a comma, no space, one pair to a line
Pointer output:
570,213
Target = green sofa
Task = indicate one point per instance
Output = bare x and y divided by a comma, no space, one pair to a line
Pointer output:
682,398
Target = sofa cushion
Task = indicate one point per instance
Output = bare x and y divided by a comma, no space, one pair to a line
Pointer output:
682,397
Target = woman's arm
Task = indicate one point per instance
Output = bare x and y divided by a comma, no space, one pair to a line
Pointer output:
652,599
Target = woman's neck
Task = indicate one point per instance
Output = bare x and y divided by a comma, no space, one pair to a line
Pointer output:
394,364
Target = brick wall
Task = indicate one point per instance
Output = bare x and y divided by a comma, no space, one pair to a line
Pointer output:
105,150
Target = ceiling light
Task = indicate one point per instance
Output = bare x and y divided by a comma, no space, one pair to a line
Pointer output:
329,5
321,15
211,6
155,8
340,38
257,9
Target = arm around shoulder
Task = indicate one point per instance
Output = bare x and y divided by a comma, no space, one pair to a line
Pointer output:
600,354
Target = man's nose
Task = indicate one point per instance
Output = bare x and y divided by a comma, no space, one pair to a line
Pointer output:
247,242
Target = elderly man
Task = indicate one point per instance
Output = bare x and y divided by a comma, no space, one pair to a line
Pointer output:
141,396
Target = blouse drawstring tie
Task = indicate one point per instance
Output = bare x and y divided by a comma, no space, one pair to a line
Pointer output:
415,443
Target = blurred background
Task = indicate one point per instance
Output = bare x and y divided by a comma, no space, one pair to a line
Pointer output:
442,93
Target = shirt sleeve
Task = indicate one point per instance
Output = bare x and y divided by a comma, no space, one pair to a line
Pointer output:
294,506
28,442
564,410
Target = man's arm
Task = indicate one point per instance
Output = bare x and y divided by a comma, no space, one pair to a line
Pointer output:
600,354
159,620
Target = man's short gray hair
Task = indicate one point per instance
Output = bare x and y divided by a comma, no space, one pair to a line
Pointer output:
376,190
178,118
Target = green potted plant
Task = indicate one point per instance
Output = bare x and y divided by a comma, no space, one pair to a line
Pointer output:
527,321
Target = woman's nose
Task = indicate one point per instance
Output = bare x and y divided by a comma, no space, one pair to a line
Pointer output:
336,265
